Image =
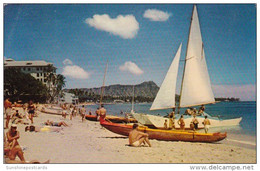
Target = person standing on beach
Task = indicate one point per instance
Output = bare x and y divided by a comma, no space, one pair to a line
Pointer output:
181,123
172,119
136,138
165,125
98,113
82,112
206,124
31,110
8,110
194,122
103,112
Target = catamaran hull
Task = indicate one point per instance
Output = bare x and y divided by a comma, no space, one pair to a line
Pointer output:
142,119
165,135
159,121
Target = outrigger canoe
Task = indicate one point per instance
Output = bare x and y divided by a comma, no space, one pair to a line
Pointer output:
114,119
165,135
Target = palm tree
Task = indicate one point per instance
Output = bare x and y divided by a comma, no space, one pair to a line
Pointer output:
60,83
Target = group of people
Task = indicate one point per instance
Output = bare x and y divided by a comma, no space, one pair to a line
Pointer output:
194,122
27,113
101,112
12,149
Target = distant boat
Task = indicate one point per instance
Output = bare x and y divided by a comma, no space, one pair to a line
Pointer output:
195,88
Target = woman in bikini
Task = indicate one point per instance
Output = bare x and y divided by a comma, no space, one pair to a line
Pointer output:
31,110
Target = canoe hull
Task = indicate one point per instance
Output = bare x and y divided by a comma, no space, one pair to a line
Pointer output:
113,119
166,135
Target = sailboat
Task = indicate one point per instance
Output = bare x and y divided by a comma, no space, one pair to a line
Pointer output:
195,88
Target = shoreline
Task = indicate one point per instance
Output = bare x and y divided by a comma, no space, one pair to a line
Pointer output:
88,142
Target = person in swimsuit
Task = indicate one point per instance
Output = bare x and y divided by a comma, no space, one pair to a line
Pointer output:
12,136
42,129
181,123
195,123
98,113
82,112
59,124
12,151
8,110
172,119
103,112
206,124
201,110
31,110
137,138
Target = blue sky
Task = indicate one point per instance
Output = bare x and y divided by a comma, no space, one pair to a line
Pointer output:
139,42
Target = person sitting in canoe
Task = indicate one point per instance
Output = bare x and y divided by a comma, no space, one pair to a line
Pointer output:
201,110
189,111
136,138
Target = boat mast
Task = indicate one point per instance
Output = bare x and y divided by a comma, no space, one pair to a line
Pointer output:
132,111
185,60
103,85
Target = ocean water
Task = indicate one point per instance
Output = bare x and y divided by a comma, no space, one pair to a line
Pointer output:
246,131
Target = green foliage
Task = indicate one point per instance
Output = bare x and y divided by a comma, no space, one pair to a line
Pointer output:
23,86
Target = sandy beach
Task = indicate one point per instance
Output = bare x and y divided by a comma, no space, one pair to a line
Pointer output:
88,142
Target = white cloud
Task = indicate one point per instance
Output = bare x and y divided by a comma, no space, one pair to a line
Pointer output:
67,62
123,26
244,92
156,15
131,67
74,71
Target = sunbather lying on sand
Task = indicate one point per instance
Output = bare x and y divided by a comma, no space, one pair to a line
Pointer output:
59,124
42,129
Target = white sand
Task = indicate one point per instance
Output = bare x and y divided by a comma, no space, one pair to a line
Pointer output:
87,142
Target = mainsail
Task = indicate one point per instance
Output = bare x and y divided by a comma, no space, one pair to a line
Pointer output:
165,97
196,86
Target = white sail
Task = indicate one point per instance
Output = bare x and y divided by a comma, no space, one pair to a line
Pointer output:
196,86
165,97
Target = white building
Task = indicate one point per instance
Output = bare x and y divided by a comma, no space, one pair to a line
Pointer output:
68,98
38,69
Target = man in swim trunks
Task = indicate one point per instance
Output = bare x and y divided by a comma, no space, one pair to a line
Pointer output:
103,112
136,138
206,124
8,110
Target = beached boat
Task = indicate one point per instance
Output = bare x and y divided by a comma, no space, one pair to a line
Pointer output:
195,88
54,111
165,135
114,119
